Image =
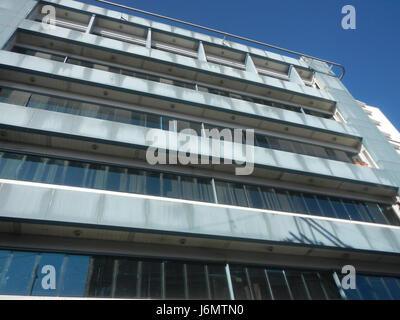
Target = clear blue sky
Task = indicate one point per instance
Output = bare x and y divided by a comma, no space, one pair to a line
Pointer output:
370,53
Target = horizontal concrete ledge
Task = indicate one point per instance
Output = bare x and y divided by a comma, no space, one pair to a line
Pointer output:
119,211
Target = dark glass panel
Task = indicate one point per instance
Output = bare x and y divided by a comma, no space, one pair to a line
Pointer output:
232,194
278,285
378,288
96,176
4,255
197,282
365,288
283,200
258,280
75,174
126,281
314,285
393,285
255,197
270,199
16,97
171,186
390,215
29,170
375,212
297,285
218,282
352,210
75,274
52,172
150,277
241,287
174,280
340,210
330,286
18,278
153,183
326,207
297,202
136,181
10,165
312,205
100,282
115,179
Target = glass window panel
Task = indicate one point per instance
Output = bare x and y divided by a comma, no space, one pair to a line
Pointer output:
297,201
115,179
390,215
312,205
54,260
261,141
150,277
364,212
10,165
4,255
278,285
270,199
365,288
352,210
255,197
283,199
153,183
378,288
375,212
286,145
197,282
197,189
218,282
205,190
121,115
75,174
136,181
314,286
330,286
18,278
153,121
259,284
126,281
241,287
16,97
297,285
100,282
29,169
52,171
326,207
393,285
340,210
75,274
171,186
96,176
174,280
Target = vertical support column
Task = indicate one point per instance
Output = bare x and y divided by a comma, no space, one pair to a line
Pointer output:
201,54
148,39
250,66
294,76
90,26
229,279
339,285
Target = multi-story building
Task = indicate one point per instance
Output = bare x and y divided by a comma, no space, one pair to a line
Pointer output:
84,214
383,124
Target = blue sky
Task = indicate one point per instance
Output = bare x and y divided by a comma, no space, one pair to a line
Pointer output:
370,53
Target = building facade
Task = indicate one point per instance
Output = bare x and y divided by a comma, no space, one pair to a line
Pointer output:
383,124
84,214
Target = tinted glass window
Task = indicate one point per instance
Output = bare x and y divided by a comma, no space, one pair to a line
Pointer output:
278,285
174,280
197,282
218,282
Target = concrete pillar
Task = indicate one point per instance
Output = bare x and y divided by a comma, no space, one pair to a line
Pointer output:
201,54
250,66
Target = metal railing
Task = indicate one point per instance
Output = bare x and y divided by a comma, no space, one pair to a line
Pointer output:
225,34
